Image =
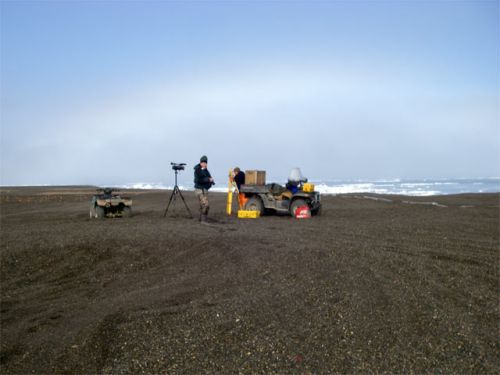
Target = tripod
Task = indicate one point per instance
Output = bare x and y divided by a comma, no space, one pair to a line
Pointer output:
173,197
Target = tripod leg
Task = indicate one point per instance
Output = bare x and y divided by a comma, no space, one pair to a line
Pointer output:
185,204
175,197
169,201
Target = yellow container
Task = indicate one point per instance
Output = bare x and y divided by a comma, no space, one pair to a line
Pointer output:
246,214
308,188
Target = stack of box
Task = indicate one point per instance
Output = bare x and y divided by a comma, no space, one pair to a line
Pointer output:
255,177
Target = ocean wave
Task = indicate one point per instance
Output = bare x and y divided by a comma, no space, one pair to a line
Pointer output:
151,186
145,186
415,184
371,188
424,187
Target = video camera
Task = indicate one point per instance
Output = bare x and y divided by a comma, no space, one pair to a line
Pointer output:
178,166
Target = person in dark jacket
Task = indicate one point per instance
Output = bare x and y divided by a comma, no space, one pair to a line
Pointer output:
239,179
203,181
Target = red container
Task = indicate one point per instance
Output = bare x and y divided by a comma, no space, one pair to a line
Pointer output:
302,212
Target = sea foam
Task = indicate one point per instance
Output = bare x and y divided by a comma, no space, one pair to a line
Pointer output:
424,187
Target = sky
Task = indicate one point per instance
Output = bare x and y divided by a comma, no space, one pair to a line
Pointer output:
112,92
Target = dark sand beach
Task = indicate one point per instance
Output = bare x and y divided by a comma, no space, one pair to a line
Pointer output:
376,284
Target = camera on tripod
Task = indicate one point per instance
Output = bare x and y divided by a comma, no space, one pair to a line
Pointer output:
178,166
176,191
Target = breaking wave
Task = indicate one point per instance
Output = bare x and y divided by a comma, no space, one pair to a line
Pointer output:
396,186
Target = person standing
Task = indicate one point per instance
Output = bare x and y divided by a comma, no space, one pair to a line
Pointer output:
203,181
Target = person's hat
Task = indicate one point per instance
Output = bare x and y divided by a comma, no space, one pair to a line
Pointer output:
203,159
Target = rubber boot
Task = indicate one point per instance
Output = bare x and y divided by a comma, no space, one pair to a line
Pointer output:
203,218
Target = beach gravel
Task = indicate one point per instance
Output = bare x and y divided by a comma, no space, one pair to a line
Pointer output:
376,284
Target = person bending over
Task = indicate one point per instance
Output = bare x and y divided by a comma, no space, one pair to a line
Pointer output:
239,178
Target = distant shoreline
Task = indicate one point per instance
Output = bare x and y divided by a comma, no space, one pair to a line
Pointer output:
89,189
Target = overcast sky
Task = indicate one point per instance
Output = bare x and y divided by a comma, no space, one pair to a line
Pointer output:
96,92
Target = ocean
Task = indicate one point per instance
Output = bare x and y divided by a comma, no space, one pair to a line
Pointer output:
421,187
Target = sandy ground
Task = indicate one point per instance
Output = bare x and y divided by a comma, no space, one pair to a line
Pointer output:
376,284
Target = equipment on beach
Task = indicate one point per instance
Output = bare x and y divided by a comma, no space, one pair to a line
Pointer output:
231,185
255,177
248,214
297,193
178,166
176,191
308,188
296,177
302,212
109,204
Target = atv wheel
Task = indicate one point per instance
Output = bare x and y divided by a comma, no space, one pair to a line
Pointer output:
126,212
296,204
255,204
316,212
99,212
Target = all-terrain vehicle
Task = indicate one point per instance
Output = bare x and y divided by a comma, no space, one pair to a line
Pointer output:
278,199
109,204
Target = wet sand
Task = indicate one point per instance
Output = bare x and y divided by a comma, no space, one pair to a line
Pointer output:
376,284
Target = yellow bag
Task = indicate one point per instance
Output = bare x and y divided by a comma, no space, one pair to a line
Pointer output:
308,188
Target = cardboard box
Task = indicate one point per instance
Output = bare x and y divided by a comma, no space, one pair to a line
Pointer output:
246,214
255,177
